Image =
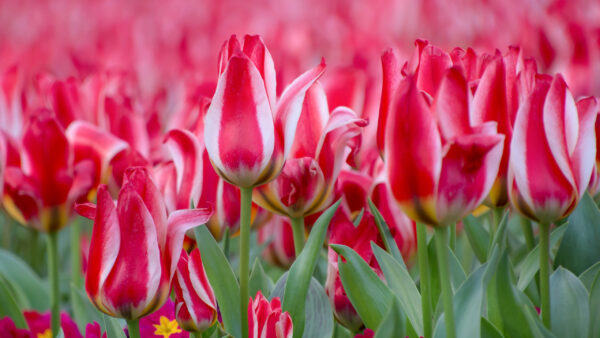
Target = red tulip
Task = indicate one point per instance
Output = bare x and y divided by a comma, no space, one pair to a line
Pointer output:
594,187
134,248
42,190
440,165
266,319
248,133
280,250
306,182
196,307
93,330
552,152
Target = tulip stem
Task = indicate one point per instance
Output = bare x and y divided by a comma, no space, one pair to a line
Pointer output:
133,326
441,238
75,254
453,236
299,235
245,210
545,273
424,276
54,287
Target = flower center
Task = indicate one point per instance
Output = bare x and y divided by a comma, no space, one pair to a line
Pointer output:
166,327
45,334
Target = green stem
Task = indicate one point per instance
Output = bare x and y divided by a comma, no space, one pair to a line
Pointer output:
75,254
226,241
453,236
545,272
54,287
441,238
528,232
195,335
299,235
245,210
424,275
133,326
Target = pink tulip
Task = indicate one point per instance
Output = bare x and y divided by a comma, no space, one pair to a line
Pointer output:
440,165
135,247
306,182
552,151
248,132
267,320
196,307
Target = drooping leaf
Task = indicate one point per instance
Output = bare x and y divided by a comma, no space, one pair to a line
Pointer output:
569,305
478,237
222,279
386,235
394,322
402,285
500,236
84,311
531,264
579,247
488,330
19,273
319,316
259,280
8,304
368,294
594,330
468,302
113,327
589,275
302,269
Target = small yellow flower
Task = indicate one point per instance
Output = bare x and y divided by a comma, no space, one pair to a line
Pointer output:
167,327
46,334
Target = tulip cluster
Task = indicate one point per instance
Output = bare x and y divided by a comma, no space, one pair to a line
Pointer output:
378,194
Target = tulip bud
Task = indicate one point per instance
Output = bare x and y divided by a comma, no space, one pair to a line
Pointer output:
267,320
196,308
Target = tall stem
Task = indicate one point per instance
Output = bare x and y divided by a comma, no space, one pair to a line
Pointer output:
133,326
441,235
245,210
545,272
299,236
54,287
75,254
424,275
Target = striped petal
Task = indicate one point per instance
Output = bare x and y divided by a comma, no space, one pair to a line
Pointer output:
240,106
90,142
255,49
413,154
186,153
104,245
311,123
584,154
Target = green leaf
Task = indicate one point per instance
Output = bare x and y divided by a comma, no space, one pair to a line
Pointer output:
589,275
579,247
19,273
531,264
468,302
394,322
536,326
457,274
478,237
594,330
300,273
368,294
488,330
358,218
8,304
402,285
388,240
222,279
113,327
84,311
259,280
504,303
341,332
319,316
569,306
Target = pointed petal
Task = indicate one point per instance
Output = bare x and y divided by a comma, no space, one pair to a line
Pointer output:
311,123
413,154
584,153
179,222
451,105
433,63
255,49
87,210
240,107
186,151
390,62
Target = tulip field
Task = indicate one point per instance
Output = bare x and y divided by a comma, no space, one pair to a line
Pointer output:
279,169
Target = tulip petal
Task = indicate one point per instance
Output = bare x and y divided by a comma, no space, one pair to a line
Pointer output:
390,63
240,105
311,123
87,210
451,105
584,153
179,222
433,63
187,157
413,154
137,274
104,245
255,49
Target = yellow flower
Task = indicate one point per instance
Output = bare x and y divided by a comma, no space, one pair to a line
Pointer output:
166,327
46,334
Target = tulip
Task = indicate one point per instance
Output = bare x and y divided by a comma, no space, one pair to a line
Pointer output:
248,132
594,187
135,247
196,307
93,330
9,329
277,232
306,182
551,161
266,319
